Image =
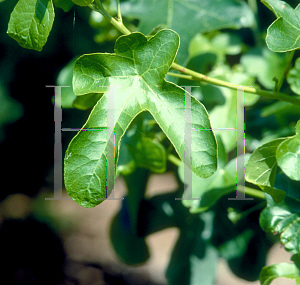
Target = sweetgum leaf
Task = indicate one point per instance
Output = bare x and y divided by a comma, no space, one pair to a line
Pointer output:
189,17
31,22
139,65
284,33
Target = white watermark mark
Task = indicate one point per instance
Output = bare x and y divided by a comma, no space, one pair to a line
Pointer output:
110,169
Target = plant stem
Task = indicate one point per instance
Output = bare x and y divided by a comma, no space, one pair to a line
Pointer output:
116,23
214,81
174,159
189,77
246,213
251,192
291,55
192,74
119,11
255,27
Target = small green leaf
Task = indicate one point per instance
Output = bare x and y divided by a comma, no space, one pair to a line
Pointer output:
122,239
225,116
211,189
221,45
194,259
286,270
31,22
284,219
139,67
288,156
264,65
261,167
284,33
64,78
293,77
237,246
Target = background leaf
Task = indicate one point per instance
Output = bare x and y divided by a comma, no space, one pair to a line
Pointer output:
287,270
284,33
288,156
293,77
264,65
31,22
189,17
211,189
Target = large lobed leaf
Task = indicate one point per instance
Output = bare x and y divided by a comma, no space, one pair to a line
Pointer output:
31,22
139,66
284,33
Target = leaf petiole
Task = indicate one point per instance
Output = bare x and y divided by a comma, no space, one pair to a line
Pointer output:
118,24
278,86
268,94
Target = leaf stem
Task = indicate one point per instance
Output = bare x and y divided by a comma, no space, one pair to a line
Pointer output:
252,90
119,11
172,158
255,27
251,192
189,77
239,216
291,55
117,23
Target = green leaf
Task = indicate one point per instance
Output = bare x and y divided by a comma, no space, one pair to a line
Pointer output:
261,167
286,270
293,77
139,66
193,260
211,189
66,5
143,152
188,17
221,45
123,239
288,156
276,107
83,2
237,246
264,65
225,116
284,33
64,78
31,22
283,218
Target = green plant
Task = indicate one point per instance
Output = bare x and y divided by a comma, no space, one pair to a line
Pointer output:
153,141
